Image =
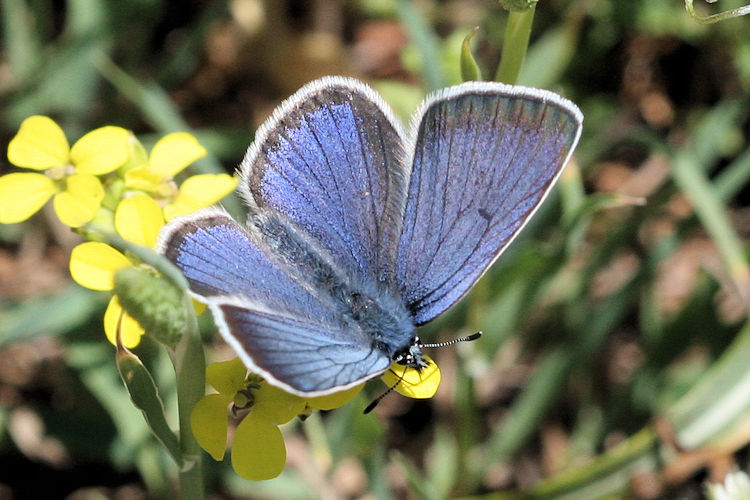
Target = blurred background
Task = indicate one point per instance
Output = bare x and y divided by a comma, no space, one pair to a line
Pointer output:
616,355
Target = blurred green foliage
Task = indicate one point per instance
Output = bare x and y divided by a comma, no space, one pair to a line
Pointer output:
614,360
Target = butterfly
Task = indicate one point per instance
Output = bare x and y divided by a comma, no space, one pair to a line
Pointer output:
358,232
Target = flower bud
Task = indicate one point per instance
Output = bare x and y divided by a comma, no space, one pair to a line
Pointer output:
153,302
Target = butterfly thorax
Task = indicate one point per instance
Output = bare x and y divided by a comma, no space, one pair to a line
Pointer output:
387,322
373,308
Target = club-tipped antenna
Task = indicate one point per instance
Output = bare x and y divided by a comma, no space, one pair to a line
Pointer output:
377,400
468,338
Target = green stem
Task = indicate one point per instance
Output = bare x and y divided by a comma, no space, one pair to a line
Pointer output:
515,44
190,367
607,474
144,254
715,18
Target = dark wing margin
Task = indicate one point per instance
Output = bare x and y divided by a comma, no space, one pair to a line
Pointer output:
485,155
330,160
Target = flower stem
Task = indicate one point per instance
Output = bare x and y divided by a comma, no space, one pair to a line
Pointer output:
515,43
190,366
715,18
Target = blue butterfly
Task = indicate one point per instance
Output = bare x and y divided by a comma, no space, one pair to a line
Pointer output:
358,232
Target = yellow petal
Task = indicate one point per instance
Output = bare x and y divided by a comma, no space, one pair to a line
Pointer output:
80,201
413,383
130,330
174,152
258,451
199,307
22,195
101,151
144,179
137,155
227,377
139,219
334,400
200,191
208,421
275,405
39,144
94,264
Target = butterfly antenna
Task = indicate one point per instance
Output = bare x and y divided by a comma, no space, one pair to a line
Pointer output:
377,400
468,338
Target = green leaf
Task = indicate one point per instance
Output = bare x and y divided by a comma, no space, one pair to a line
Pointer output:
420,486
157,108
441,462
145,397
718,400
20,38
469,68
551,54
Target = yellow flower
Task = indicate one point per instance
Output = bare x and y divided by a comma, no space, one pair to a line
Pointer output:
413,383
199,191
138,219
258,450
169,157
70,174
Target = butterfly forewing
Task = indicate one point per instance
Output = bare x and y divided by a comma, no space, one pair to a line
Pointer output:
329,160
484,157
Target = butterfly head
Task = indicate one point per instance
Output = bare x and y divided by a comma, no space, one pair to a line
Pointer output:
411,356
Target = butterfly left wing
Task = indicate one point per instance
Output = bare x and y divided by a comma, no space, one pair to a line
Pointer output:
300,355
278,323
485,155
329,161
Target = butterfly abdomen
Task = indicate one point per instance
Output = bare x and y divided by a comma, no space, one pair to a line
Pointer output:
367,306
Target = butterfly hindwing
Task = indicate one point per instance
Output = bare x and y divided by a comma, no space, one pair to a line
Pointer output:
301,355
484,157
220,258
297,339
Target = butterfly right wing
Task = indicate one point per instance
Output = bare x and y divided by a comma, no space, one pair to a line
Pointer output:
484,157
295,338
